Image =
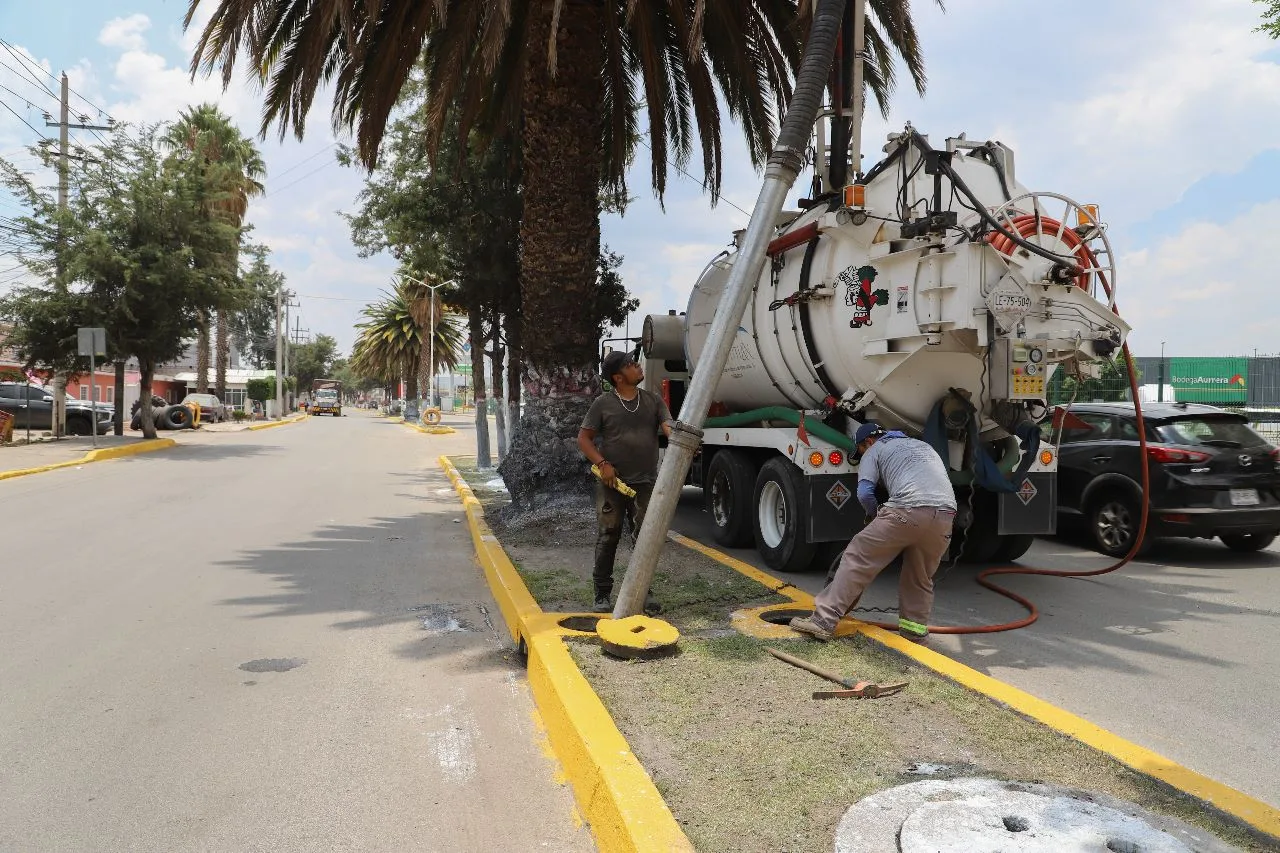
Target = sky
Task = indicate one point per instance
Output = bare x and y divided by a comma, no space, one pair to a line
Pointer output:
1167,115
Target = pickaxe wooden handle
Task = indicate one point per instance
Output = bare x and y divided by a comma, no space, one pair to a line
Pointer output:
853,689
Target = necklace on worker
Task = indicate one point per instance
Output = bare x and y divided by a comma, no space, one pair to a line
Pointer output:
624,402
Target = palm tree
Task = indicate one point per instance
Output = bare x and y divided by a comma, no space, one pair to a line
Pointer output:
234,170
426,306
569,78
389,345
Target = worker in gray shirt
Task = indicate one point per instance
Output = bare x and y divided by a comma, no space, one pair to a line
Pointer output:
915,522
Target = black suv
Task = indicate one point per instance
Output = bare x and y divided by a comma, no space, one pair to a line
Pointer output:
32,407
1210,474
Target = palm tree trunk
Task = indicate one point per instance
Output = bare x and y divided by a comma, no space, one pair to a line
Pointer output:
560,138
513,326
423,387
202,357
222,347
484,455
497,355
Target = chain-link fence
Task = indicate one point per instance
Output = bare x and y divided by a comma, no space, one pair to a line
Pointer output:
1246,384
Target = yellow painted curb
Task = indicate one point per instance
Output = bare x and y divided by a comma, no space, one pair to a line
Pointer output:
293,419
100,455
1254,812
431,430
614,793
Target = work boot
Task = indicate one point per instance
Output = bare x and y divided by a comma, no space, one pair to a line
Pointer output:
807,625
918,639
602,604
652,607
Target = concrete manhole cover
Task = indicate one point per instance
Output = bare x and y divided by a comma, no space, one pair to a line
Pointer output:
988,816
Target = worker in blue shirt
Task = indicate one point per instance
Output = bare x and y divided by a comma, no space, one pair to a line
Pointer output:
915,522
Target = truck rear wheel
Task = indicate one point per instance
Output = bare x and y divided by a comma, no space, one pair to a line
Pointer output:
731,479
1013,547
779,530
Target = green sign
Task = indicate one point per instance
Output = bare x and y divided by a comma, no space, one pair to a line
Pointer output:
464,369
1209,380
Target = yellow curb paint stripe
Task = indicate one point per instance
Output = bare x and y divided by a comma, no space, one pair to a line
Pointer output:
1254,812
99,455
777,585
273,424
614,793
435,430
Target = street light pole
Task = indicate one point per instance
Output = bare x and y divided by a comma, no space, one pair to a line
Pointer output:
1160,387
431,332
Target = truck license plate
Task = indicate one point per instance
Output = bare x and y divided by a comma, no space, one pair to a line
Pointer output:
1244,497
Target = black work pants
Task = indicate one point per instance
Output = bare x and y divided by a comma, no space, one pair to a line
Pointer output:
611,507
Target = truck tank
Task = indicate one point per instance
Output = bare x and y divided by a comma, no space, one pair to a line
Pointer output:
884,296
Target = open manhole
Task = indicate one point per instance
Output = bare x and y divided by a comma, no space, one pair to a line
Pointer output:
783,617
585,624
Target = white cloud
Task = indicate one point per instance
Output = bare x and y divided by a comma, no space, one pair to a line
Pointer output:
125,33
1207,289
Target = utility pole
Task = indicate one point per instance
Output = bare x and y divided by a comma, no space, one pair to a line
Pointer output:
64,126
279,354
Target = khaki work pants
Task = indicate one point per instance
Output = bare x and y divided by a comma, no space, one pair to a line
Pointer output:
921,535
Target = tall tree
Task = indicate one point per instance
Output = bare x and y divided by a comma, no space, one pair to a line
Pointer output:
390,341
128,244
312,361
252,325
232,170
572,77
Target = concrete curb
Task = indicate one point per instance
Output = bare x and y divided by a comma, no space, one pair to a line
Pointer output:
293,419
1255,813
613,791
100,455
430,430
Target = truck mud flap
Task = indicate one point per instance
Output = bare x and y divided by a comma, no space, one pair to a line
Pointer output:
834,512
1032,508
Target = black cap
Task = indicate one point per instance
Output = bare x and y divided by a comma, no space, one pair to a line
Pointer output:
614,362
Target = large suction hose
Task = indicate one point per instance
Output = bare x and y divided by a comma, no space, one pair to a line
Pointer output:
784,166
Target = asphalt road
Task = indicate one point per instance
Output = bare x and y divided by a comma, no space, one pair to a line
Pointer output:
262,641
1178,652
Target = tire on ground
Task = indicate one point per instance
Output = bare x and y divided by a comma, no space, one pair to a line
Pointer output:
779,519
78,426
727,497
1012,547
1247,543
431,417
177,417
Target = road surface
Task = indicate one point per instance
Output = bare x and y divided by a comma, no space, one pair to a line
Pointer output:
265,641
1178,652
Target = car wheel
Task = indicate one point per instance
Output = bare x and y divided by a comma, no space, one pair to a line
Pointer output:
1113,524
78,426
779,514
727,495
1247,543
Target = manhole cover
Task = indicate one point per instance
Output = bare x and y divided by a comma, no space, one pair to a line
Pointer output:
982,815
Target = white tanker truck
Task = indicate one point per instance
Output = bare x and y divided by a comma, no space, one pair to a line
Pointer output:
936,295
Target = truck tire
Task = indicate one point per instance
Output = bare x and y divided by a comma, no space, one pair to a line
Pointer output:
1013,547
731,480
779,513
78,426
177,417
979,542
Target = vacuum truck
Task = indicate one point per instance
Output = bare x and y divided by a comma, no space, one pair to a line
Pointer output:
934,294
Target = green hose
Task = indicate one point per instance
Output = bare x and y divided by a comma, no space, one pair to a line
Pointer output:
1008,461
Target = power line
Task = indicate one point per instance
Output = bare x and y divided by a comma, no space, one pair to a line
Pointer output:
23,120
299,180
306,160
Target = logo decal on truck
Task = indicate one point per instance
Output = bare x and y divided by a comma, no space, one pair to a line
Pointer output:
1027,492
859,295
839,494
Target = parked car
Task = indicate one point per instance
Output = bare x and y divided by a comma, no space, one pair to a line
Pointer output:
1210,476
32,407
212,411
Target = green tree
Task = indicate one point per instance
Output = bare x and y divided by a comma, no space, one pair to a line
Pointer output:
572,79
253,324
232,170
389,345
1270,18
312,361
127,244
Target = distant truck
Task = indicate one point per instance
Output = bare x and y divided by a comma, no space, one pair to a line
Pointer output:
326,397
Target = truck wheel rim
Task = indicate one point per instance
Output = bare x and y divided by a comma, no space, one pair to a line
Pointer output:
773,514
721,500
1115,524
